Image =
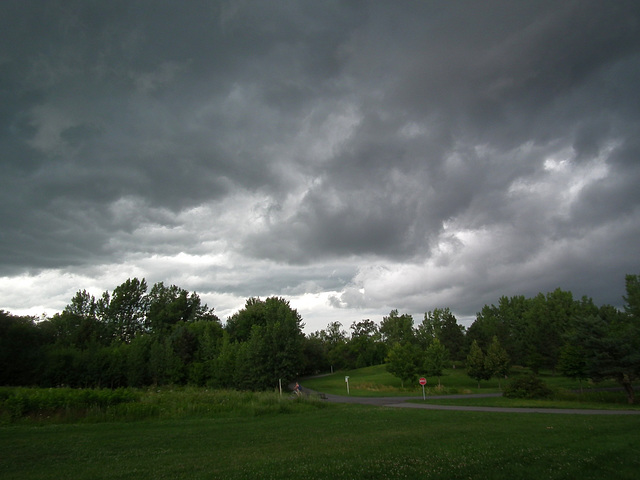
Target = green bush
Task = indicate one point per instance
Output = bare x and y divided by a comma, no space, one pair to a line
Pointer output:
528,386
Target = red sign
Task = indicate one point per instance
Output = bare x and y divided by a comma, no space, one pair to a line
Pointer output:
423,381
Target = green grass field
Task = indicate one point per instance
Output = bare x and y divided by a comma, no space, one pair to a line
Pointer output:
333,442
189,433
377,382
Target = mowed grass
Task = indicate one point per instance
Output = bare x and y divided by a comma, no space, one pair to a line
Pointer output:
192,433
330,442
375,381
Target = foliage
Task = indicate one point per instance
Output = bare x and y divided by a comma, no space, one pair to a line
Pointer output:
435,359
531,330
274,345
611,343
573,362
527,386
442,325
497,362
131,338
20,346
401,362
25,402
396,328
632,298
476,365
139,337
365,347
99,405
334,344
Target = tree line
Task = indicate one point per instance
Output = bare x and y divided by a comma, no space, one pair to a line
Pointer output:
135,336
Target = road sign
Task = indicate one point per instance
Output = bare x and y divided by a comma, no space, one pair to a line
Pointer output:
423,382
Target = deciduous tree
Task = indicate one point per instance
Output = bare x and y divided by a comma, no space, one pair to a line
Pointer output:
436,359
396,328
573,362
497,362
476,368
442,324
125,310
402,362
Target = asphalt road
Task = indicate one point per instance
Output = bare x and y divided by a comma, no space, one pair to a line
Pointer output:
404,402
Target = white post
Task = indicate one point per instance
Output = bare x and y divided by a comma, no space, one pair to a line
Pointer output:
280,383
346,379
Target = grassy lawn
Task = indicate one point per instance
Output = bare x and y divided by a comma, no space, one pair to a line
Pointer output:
376,381
596,401
191,433
332,442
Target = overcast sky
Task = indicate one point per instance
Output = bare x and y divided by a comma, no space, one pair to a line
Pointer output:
352,157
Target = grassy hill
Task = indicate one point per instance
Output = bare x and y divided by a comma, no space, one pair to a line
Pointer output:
375,381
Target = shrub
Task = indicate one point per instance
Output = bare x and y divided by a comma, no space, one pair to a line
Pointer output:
528,386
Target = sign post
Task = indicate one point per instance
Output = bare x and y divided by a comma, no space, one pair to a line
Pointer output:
423,382
346,379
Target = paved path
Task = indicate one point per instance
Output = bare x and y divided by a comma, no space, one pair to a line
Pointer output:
403,402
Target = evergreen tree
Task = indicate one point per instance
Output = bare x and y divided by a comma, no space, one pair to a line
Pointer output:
611,342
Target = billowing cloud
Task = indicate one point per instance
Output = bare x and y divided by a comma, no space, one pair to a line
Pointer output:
353,158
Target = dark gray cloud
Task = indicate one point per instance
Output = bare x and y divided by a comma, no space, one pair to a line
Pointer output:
375,155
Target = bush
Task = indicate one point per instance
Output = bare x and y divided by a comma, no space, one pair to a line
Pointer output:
528,386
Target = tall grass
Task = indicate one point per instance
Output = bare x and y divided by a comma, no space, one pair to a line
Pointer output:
57,403
69,405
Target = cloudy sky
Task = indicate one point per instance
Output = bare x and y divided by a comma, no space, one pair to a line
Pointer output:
351,156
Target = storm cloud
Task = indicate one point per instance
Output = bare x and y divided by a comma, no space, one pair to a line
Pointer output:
353,157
